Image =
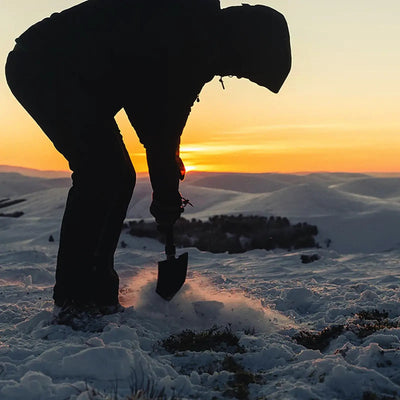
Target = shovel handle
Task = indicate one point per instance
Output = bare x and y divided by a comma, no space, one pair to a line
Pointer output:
170,249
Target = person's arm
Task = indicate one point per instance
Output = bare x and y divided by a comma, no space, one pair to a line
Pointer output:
165,172
158,100
159,130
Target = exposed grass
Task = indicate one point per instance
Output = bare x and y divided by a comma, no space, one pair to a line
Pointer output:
219,340
238,386
319,340
374,396
372,315
368,322
365,323
149,391
215,339
146,389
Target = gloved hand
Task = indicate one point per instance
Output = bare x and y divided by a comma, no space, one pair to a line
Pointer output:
166,169
166,214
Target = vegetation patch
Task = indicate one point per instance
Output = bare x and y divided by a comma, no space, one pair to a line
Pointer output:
215,339
307,259
149,392
238,386
234,234
365,323
374,396
372,315
319,340
8,202
15,214
369,322
219,340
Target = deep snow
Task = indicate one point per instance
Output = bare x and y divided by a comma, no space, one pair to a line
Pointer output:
265,297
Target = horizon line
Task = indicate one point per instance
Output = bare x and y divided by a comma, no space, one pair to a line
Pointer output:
194,171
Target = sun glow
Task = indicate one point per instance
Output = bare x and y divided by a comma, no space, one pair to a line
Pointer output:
189,168
337,111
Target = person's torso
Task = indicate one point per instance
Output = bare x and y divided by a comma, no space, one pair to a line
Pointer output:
151,58
112,38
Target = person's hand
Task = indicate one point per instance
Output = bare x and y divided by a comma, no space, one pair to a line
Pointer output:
166,214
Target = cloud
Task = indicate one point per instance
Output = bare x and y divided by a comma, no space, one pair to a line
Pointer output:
290,127
218,148
265,146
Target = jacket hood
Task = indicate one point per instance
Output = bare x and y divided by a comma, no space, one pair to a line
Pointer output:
258,45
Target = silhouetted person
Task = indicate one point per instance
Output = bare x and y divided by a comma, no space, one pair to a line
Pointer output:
76,69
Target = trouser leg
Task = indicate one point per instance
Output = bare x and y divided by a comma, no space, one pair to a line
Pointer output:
94,213
103,176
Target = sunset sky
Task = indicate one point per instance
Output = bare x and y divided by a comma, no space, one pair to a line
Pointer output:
338,110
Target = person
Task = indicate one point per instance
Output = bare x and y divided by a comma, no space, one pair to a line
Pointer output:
75,70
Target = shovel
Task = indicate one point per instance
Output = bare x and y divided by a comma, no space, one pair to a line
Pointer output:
172,271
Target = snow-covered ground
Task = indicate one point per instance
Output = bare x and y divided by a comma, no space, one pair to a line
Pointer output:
264,297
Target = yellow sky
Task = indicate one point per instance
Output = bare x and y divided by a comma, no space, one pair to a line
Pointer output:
338,110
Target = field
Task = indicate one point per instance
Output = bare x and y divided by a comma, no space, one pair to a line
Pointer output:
255,325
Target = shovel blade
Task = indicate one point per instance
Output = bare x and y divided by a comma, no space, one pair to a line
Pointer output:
171,276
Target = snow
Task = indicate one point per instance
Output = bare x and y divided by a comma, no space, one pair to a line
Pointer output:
264,297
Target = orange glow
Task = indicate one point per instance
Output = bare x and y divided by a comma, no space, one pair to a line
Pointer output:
337,111
274,149
190,168
221,145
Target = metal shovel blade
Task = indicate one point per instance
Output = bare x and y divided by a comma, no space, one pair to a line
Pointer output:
171,276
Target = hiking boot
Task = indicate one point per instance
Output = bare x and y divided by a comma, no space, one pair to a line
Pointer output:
111,309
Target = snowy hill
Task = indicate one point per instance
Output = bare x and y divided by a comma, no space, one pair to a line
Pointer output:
343,206
14,184
265,297
34,172
374,187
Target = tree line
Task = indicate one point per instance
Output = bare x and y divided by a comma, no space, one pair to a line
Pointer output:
234,233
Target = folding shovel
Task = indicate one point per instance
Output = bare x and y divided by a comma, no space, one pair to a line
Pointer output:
172,271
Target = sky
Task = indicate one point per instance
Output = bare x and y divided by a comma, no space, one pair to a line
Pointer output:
337,111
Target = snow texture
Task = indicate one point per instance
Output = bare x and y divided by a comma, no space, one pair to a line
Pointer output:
265,297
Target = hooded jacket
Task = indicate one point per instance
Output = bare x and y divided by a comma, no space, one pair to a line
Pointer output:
150,58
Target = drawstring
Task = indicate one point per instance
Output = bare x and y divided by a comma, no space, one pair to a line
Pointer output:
186,202
223,87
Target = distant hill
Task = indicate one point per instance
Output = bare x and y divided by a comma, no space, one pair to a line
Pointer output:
245,183
356,212
384,188
15,184
34,172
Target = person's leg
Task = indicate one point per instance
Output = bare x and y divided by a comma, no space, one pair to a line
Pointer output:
103,176
95,210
